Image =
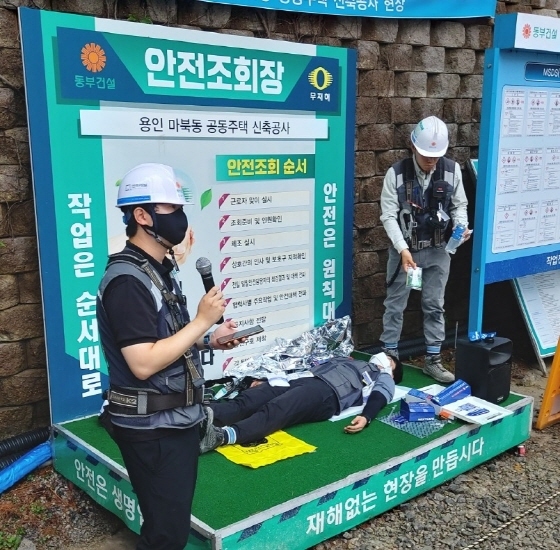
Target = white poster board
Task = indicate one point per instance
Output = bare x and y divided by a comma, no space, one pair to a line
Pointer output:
539,298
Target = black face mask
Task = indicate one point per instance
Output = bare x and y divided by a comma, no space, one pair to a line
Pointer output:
172,227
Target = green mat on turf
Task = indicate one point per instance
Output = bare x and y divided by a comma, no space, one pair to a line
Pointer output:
227,493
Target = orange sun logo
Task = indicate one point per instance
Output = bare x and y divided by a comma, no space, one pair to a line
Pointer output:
526,30
93,57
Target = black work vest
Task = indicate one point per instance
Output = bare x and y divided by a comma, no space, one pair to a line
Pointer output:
172,378
346,377
443,178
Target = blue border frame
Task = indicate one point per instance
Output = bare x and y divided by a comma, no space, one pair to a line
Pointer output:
345,306
39,141
489,267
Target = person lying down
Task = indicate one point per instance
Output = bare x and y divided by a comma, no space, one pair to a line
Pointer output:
319,393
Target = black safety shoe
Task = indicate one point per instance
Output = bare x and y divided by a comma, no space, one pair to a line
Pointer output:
211,436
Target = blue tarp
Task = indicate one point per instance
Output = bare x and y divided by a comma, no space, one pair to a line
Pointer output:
22,466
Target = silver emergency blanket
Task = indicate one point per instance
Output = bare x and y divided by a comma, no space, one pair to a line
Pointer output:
333,339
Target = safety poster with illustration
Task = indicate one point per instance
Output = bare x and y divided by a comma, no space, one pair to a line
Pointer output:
260,134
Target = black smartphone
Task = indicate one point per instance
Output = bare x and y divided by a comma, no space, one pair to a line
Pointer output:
240,334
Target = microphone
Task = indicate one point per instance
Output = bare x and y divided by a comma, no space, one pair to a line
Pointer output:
204,267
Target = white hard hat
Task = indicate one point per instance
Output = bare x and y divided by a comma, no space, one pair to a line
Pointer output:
430,137
150,183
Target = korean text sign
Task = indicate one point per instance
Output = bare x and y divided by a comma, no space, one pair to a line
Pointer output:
260,135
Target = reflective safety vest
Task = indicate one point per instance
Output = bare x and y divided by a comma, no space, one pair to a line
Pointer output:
418,209
346,378
167,399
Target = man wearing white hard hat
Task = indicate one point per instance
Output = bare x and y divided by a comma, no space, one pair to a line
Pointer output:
151,346
421,197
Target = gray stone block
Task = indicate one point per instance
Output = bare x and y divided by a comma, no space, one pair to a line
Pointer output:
369,189
476,109
375,137
36,4
163,11
411,84
15,420
20,139
14,183
448,34
453,130
546,13
19,220
11,69
19,254
368,54
396,57
344,27
9,36
443,85
36,353
426,106
468,134
209,15
479,64
401,110
458,110
28,386
471,86
478,37
461,154
460,61
384,161
366,110
86,7
12,354
29,286
380,30
235,32
428,59
366,215
402,134
363,312
9,295
376,83
384,111
8,114
364,164
414,31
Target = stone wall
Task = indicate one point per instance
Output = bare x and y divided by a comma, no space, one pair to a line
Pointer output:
407,69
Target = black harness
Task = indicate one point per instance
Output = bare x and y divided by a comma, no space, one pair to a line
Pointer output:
125,401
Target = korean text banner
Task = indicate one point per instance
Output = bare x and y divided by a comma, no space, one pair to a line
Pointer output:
409,9
260,135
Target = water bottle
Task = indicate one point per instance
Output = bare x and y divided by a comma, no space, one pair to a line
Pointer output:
456,238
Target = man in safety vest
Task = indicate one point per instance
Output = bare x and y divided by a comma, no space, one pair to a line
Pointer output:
326,389
421,196
151,346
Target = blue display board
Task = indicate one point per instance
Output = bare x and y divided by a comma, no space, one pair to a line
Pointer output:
403,9
517,218
261,136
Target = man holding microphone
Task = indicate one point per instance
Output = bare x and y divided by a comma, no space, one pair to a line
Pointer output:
151,346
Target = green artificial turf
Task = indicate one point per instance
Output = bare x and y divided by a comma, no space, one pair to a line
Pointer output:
227,493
